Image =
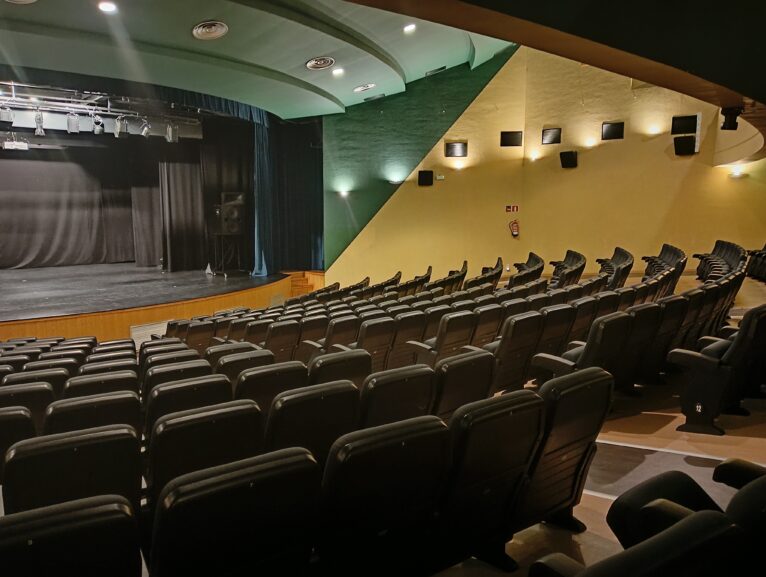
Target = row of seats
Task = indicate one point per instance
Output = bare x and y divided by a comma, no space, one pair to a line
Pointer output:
568,271
725,257
617,267
527,271
489,275
671,259
378,288
451,283
415,492
340,293
756,266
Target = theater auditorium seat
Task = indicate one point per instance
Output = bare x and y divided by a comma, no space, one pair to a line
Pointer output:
214,353
54,377
375,337
340,331
409,327
312,417
84,385
118,408
196,439
16,424
395,395
169,358
380,489
85,463
233,365
514,349
35,397
97,357
282,339
262,384
455,331
673,311
253,516
462,379
174,372
643,329
585,310
91,537
489,317
352,365
109,367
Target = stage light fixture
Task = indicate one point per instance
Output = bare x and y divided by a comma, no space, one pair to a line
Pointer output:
171,132
39,123
72,123
120,127
410,28
338,72
145,128
98,124
6,117
730,115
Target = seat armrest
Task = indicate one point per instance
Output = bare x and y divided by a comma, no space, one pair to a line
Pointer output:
575,344
156,337
493,346
554,364
555,565
703,342
661,514
692,360
418,347
341,348
307,350
737,472
423,353
727,332
471,349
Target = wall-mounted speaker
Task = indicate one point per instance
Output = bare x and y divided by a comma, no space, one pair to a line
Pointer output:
684,124
425,177
551,136
456,149
568,158
612,131
511,138
685,145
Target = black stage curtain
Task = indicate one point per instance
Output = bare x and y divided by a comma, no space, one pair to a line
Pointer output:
146,208
297,207
51,212
183,212
117,206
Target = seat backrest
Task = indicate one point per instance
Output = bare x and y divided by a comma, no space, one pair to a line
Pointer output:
488,319
237,328
694,296
214,353
233,365
101,357
174,372
487,477
109,367
196,439
750,343
455,332
341,331
383,483
585,309
606,339
376,337
86,537
538,301
576,406
81,354
86,463
434,316
54,377
71,365
169,358
255,331
262,384
518,343
16,424
557,325
282,338
33,396
313,327
352,365
152,350
608,302
409,327
119,408
461,379
99,383
627,297
199,334
15,361
258,514
312,417
395,395
183,395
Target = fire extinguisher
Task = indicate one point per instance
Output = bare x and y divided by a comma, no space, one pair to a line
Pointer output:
514,226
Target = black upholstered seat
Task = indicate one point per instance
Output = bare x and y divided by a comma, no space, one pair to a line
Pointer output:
514,349
396,394
282,338
16,424
232,365
54,377
352,365
99,383
489,317
455,331
262,384
673,310
174,372
214,353
461,379
109,367
643,329
375,337
118,408
35,397
409,327
585,310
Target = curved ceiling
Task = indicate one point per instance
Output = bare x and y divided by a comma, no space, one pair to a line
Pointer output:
261,61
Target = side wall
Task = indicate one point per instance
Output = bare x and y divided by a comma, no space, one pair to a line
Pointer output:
633,192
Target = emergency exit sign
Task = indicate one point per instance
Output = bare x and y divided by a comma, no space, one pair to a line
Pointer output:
511,208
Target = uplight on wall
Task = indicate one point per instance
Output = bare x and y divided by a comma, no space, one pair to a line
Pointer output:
590,142
343,193
534,155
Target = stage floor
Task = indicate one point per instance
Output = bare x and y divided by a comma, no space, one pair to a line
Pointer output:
58,291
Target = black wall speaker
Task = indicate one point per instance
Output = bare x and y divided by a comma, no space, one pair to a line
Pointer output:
425,177
684,124
612,131
685,145
568,159
512,138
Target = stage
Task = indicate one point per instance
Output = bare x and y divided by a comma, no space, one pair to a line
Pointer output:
106,300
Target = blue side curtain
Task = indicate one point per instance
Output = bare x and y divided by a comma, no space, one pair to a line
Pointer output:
263,186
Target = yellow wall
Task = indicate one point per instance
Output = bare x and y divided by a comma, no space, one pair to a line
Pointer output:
634,192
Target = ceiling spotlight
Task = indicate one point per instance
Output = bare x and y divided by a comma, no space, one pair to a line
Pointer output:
343,193
145,128
120,127
338,72
72,123
320,63
730,117
107,7
210,30
410,28
363,87
39,123
171,132
6,117
98,124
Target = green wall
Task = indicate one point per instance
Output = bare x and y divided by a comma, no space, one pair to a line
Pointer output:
384,140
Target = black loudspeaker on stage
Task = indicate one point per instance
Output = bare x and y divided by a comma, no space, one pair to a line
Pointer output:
231,213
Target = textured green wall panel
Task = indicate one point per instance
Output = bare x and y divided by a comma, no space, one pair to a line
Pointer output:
384,140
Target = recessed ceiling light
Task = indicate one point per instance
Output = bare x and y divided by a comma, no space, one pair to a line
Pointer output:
21,1
363,87
338,72
410,28
108,7
210,30
320,63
